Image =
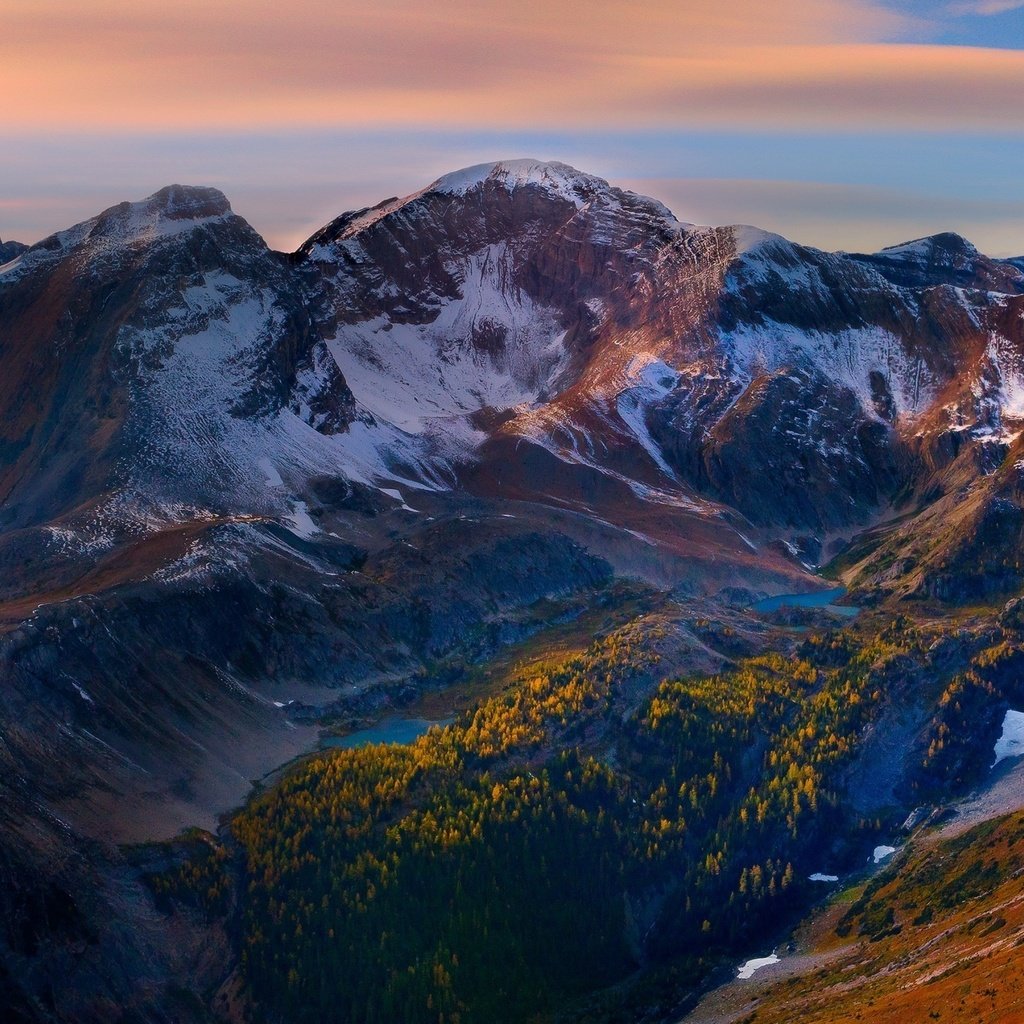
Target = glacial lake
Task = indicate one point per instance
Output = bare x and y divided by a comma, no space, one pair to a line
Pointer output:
815,599
391,730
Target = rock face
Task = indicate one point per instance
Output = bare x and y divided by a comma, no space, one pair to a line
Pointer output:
241,489
518,303
9,250
185,413
827,447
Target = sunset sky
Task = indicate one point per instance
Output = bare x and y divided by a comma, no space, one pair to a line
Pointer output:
842,123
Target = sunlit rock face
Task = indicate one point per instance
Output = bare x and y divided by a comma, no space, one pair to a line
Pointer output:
514,304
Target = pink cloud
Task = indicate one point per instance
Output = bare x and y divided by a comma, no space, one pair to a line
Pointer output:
243,64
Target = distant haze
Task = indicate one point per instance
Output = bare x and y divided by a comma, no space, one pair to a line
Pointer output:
841,123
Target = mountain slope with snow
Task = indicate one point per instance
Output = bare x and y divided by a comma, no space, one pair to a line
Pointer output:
245,492
167,368
535,303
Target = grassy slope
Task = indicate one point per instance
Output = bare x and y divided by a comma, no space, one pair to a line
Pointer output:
935,936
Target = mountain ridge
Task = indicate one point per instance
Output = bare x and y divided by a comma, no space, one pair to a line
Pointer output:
247,495
521,326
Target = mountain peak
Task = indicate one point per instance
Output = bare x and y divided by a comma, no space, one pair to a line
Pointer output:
945,258
175,211
551,179
10,250
171,211
187,202
945,242
560,178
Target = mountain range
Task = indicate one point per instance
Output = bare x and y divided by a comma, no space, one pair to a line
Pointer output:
246,494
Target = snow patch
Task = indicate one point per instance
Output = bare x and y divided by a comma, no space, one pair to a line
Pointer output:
270,472
416,375
1008,365
301,522
1011,738
747,238
881,853
748,969
393,492
81,693
197,366
847,358
653,379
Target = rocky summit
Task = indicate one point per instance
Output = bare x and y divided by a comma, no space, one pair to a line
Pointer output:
249,499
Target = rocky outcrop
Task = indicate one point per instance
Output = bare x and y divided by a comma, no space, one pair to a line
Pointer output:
944,259
792,450
10,250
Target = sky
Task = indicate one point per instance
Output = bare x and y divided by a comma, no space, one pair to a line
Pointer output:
847,124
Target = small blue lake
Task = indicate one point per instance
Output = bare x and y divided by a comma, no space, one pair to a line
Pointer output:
815,599
391,730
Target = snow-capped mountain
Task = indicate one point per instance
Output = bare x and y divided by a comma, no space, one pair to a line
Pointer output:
149,354
517,329
529,303
241,490
165,367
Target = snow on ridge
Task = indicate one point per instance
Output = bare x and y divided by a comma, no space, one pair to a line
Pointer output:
145,222
846,357
126,513
12,266
922,249
748,238
363,220
559,178
173,211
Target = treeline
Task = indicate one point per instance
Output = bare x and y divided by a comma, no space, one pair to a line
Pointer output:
540,847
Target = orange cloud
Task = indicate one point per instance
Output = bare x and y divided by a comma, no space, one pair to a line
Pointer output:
866,86
251,64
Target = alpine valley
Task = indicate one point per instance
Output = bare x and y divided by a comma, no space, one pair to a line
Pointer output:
524,459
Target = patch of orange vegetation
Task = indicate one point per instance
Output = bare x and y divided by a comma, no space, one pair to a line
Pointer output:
954,949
